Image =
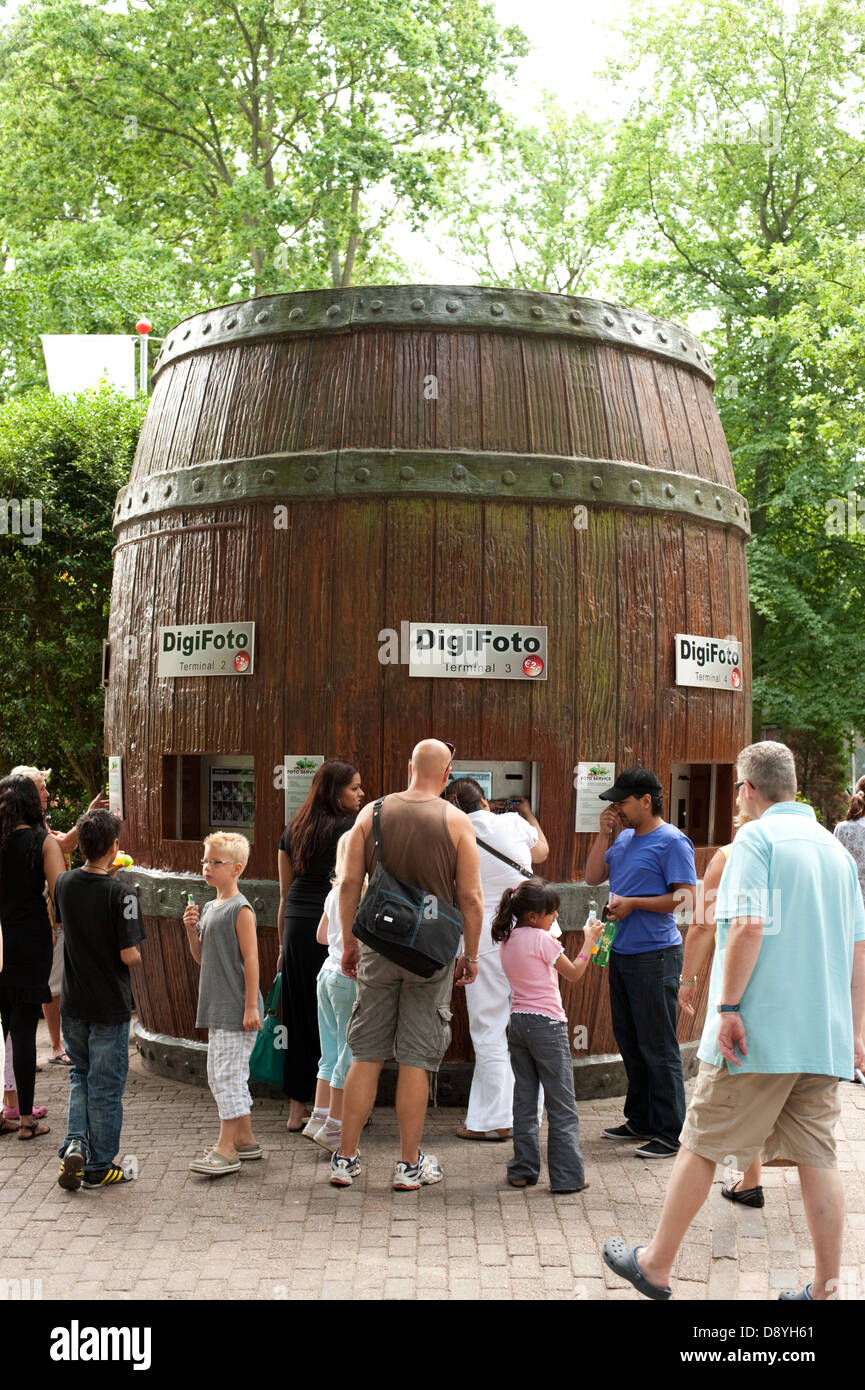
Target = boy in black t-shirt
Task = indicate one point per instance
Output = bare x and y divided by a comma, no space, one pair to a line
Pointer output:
102,928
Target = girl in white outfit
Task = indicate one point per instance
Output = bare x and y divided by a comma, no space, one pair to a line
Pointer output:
519,836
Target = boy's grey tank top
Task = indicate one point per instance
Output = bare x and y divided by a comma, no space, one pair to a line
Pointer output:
221,990
416,844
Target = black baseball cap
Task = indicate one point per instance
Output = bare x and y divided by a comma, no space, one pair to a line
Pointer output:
636,781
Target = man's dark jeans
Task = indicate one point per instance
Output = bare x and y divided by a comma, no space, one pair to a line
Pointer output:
644,990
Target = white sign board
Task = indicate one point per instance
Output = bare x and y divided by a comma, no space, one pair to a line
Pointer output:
508,652
115,787
299,770
78,361
590,779
713,662
207,649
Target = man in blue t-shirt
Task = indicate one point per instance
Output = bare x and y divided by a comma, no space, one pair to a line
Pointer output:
650,866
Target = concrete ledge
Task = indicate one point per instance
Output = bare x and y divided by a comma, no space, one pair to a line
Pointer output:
181,1059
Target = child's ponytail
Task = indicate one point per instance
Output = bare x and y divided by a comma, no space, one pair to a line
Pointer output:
532,895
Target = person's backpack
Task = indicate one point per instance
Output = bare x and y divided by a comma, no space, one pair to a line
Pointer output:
411,927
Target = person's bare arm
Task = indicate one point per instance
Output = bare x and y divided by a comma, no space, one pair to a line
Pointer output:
130,955
321,931
541,849
68,841
700,936
52,862
680,895
248,943
286,878
190,921
596,865
574,970
350,888
470,898
857,999
744,941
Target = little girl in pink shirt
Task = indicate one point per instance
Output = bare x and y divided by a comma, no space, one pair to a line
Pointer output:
538,1034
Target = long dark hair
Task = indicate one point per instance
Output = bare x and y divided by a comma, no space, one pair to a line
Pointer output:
465,793
312,826
19,802
856,806
532,895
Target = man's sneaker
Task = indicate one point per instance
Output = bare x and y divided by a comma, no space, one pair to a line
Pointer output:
72,1166
625,1132
656,1148
343,1171
409,1176
114,1175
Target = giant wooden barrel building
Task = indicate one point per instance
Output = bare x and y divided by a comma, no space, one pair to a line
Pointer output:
334,464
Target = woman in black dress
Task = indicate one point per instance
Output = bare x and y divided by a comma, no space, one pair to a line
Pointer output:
307,852
29,856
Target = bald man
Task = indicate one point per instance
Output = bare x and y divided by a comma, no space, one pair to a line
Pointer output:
430,844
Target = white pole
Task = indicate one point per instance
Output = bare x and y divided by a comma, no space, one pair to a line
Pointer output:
142,376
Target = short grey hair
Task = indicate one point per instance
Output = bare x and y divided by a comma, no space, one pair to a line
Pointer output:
770,768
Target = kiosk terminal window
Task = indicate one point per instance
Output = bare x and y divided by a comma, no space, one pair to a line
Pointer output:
206,792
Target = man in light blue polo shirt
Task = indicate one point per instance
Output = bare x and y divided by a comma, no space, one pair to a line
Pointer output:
785,1020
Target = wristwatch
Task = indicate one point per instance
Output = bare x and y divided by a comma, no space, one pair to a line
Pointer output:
728,1008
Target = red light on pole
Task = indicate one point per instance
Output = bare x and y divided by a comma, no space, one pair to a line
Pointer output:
142,328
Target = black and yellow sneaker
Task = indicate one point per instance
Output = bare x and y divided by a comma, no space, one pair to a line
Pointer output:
114,1175
72,1166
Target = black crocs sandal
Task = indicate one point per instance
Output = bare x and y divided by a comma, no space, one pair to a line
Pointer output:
621,1258
748,1196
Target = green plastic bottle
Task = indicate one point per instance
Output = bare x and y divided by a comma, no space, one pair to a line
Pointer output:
601,953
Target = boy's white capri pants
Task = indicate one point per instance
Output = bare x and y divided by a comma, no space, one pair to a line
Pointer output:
228,1057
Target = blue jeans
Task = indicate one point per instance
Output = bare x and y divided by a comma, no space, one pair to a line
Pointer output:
99,1053
541,1056
644,990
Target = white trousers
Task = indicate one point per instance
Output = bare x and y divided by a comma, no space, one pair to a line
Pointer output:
488,1001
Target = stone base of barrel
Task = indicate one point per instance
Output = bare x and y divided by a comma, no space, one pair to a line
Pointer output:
184,1060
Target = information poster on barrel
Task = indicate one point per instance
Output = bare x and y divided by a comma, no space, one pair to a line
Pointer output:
714,662
590,779
207,649
298,772
508,652
115,786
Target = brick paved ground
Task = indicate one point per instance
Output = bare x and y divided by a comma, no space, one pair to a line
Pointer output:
278,1230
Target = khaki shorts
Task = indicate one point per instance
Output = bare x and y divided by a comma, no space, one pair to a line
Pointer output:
398,1014
732,1119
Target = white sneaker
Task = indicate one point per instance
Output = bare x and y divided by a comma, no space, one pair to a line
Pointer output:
313,1124
328,1139
408,1176
343,1171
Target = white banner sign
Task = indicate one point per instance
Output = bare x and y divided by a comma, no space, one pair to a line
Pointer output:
78,361
207,649
590,779
507,652
708,661
300,768
115,787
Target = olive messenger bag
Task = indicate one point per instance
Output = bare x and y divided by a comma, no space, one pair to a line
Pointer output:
406,925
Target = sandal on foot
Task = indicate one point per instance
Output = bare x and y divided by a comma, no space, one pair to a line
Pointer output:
34,1131
249,1150
492,1136
748,1196
621,1258
7,1127
61,1060
39,1112
522,1182
213,1164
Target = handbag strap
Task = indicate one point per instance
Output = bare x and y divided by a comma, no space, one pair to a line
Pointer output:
526,873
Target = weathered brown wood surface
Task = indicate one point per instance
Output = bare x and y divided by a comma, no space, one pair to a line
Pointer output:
345,566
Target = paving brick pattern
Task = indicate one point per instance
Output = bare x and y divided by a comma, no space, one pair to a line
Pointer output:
277,1230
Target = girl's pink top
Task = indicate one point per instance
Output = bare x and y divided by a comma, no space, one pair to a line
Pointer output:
528,959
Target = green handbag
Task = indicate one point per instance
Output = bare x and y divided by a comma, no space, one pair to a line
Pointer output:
268,1056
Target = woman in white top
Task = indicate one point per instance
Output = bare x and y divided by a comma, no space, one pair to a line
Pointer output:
851,831
519,836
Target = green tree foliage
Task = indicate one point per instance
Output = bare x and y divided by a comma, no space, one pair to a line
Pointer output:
531,213
62,459
265,141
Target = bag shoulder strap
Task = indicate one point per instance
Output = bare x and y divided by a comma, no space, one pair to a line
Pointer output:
526,873
376,829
